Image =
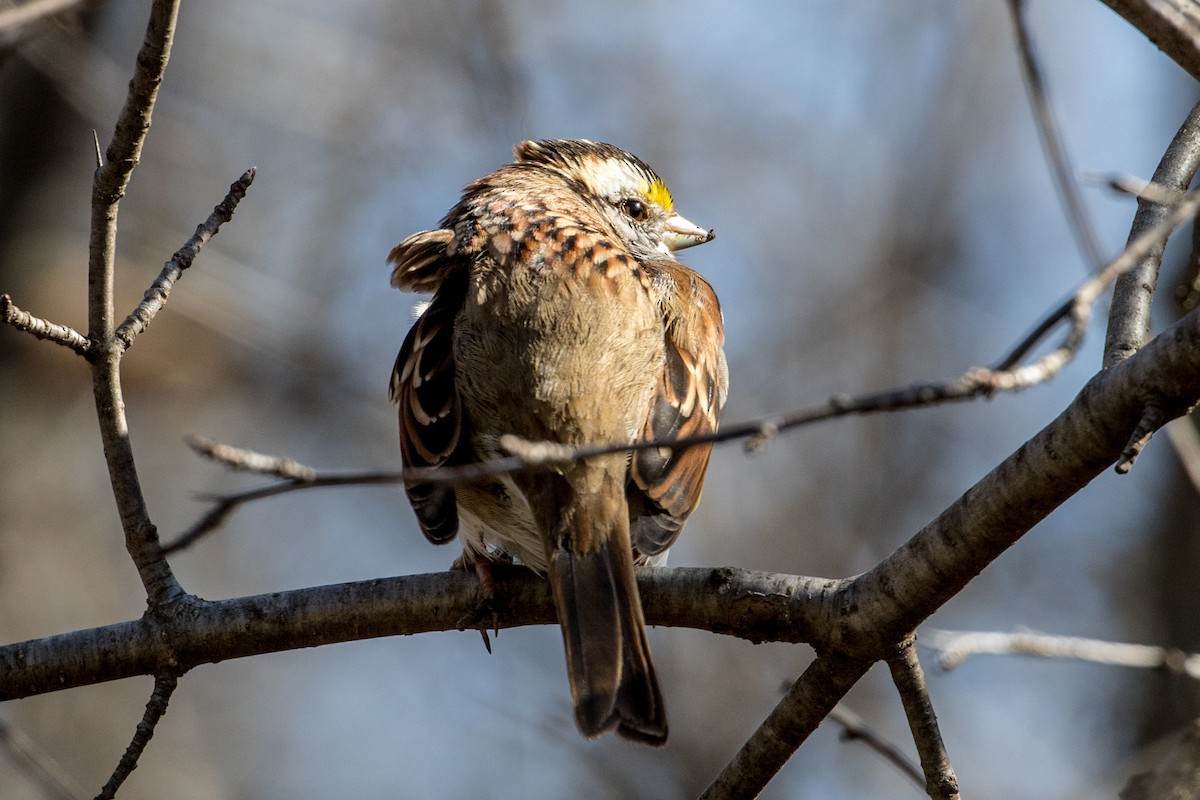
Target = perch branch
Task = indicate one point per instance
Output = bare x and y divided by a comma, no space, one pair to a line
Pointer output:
751,605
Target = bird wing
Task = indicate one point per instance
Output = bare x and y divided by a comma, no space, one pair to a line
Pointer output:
665,485
423,384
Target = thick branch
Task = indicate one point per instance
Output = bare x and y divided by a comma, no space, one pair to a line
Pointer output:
933,566
751,605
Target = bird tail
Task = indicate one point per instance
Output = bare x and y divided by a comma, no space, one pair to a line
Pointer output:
613,684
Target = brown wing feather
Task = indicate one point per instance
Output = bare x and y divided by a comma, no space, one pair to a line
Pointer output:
420,262
665,485
423,385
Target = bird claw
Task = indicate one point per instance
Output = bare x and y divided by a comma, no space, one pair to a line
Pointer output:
487,610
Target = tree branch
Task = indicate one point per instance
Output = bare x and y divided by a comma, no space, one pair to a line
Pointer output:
108,187
1173,26
43,329
751,605
156,296
1129,317
955,647
940,780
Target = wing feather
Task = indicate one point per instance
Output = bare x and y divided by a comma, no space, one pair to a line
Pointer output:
665,484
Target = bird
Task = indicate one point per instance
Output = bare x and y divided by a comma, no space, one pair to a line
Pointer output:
560,314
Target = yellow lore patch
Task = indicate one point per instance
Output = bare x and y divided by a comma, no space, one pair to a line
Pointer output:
660,194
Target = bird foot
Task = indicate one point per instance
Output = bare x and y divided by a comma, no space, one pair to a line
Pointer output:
487,610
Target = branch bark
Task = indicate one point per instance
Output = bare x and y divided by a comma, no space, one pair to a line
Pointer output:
755,606
1173,26
108,187
1129,317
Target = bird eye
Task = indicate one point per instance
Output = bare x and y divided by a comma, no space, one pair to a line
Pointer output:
636,209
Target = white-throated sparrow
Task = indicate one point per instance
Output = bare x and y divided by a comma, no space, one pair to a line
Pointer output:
560,314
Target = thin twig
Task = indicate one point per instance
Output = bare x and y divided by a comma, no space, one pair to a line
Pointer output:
164,686
940,780
224,506
1052,142
42,329
955,647
156,296
855,728
249,461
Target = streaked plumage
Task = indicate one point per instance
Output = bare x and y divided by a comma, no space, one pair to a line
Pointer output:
560,314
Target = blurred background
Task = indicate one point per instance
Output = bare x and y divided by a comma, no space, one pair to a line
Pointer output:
885,215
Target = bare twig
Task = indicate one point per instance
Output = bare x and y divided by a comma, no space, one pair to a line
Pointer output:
224,506
1052,143
1139,188
1129,317
855,728
156,296
47,773
940,780
250,461
955,647
42,329
1154,417
164,686
108,187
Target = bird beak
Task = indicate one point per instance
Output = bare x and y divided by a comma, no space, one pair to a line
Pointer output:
680,234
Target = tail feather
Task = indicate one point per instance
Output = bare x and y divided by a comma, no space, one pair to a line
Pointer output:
613,684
